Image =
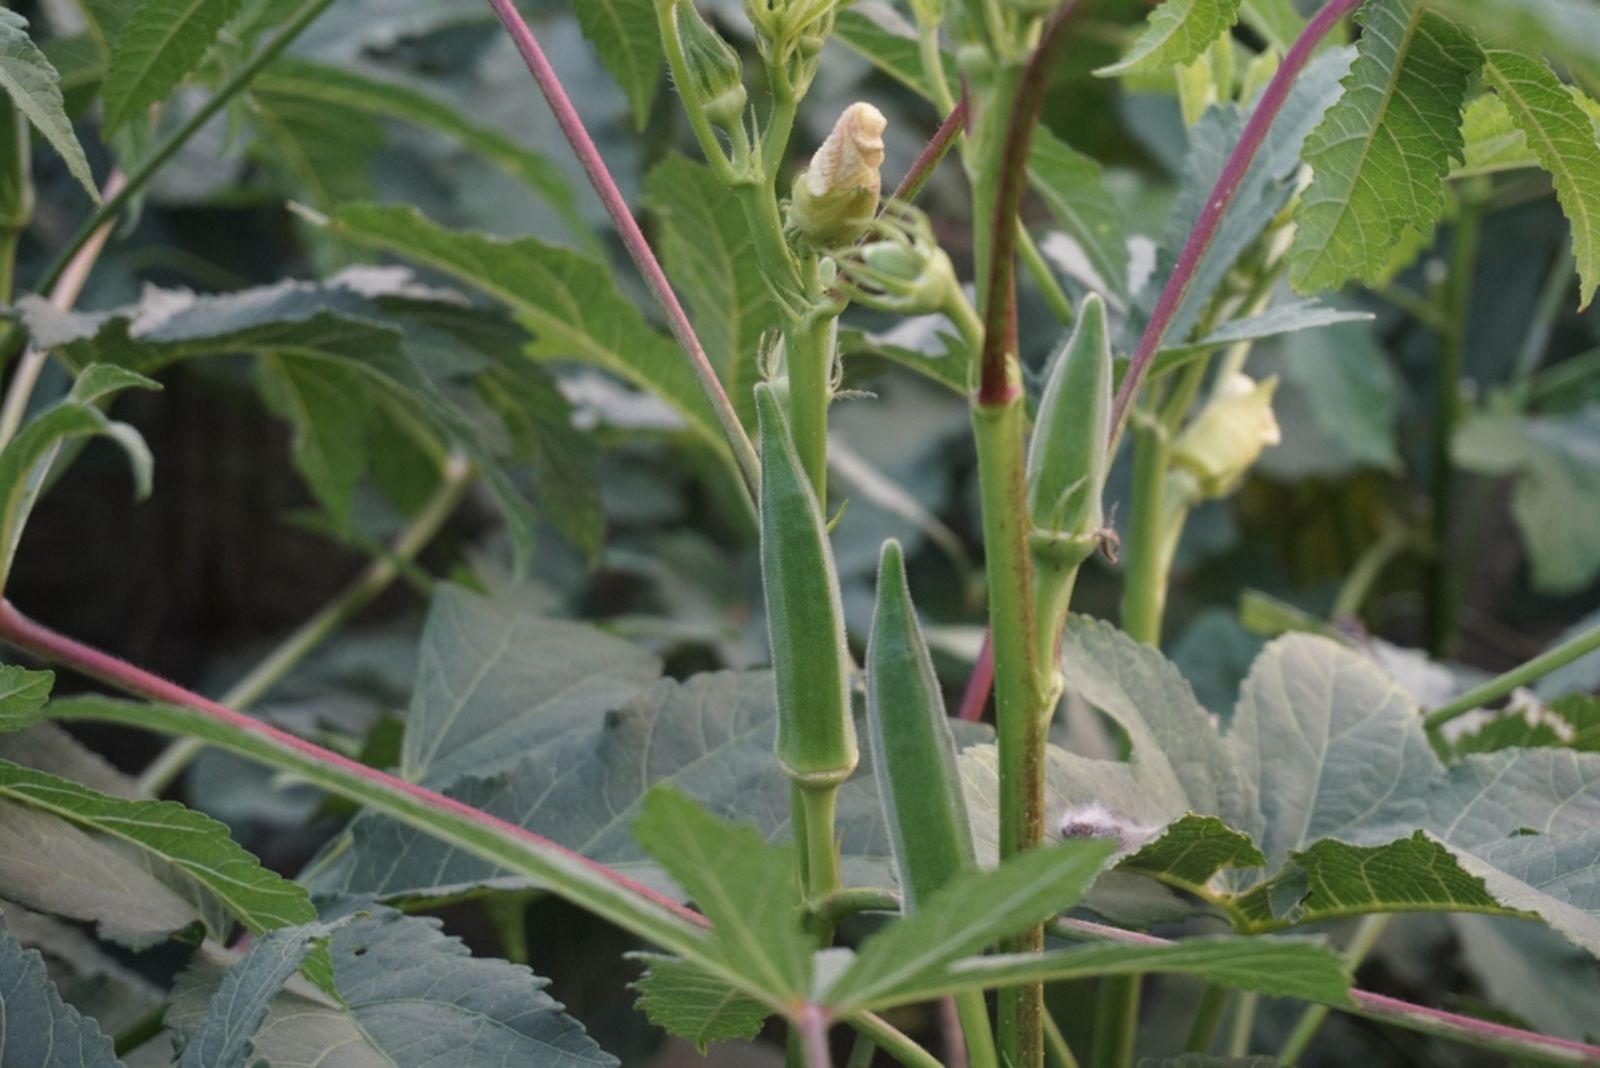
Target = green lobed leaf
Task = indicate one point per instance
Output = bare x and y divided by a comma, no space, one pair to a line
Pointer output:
342,323
410,997
160,45
1573,722
1275,20
1179,31
166,832
884,38
23,694
1190,853
569,301
235,1011
1552,459
87,975
1381,154
495,680
1334,879
628,38
691,1003
26,460
1291,968
326,406
326,86
37,1028
1070,184
1561,135
325,152
973,909
33,85
1566,29
1493,142
706,246
748,889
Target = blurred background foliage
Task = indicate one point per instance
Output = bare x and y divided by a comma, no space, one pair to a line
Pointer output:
233,548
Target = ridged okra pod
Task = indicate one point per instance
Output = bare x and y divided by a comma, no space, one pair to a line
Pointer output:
913,751
1067,457
805,622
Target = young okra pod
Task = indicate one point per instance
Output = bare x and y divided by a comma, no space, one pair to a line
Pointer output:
805,622
1067,458
913,752
713,66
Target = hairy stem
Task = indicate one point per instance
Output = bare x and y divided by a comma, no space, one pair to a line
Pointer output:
454,479
594,166
1217,204
813,1028
894,1042
1468,1030
1244,1023
111,207
1116,1022
1500,686
1144,589
822,849
933,153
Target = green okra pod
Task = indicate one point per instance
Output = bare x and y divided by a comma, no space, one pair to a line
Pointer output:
805,622
1067,458
913,751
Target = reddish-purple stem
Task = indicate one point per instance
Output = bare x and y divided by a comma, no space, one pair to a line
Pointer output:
18,630
1394,1011
812,1023
975,698
1000,308
933,152
644,258
1194,250
1216,206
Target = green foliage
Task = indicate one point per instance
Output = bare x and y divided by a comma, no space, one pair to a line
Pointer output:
624,33
749,890
1179,31
40,1029
1070,184
1380,156
913,959
1561,135
26,460
33,85
23,694
694,1005
705,243
1567,29
1551,458
568,301
408,995
160,44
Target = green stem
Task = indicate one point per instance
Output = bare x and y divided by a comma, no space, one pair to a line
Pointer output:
1537,340
894,1042
1358,584
1056,1043
110,207
1207,1018
809,346
1054,296
8,262
1020,697
508,913
1144,590
1498,687
1244,1023
1116,1022
1444,587
693,105
1305,1029
821,848
973,1012
454,479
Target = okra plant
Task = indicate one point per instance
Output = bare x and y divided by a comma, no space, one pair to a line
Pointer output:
751,773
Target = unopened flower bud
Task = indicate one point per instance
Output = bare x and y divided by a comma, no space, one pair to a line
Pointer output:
836,198
900,268
713,65
1228,435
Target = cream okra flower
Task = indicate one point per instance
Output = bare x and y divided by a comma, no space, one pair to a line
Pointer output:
1228,435
836,198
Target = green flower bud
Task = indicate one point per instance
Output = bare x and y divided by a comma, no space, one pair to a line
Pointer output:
836,197
805,621
713,64
1067,461
901,268
1227,437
